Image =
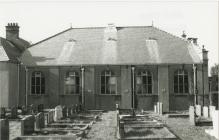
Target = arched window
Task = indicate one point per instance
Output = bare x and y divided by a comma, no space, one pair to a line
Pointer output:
108,82
144,82
72,83
181,81
37,83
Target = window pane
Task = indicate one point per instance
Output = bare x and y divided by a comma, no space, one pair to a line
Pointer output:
77,80
107,89
113,80
103,89
37,89
33,89
107,80
149,89
33,81
144,81
175,79
113,89
138,89
77,89
138,80
102,80
180,79
37,80
144,89
180,88
186,89
149,80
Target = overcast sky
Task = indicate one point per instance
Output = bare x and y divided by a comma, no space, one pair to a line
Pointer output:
39,19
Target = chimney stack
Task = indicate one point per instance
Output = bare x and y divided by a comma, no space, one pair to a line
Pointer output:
184,34
12,31
204,53
194,40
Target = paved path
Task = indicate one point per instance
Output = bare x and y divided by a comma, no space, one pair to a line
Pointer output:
104,129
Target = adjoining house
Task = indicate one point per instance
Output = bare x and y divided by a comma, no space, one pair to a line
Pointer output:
134,66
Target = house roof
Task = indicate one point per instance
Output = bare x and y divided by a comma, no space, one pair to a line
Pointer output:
97,46
8,51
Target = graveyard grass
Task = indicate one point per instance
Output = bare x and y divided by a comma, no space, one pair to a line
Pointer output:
182,128
106,128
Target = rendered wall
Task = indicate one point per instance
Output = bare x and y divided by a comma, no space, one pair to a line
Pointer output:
8,84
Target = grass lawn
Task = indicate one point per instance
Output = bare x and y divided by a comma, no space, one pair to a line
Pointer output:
182,128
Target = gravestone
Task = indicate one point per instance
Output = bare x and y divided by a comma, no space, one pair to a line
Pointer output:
40,108
58,113
64,111
192,115
155,108
205,112
40,120
24,110
14,112
198,110
3,112
158,107
27,125
215,120
4,135
122,129
69,111
161,108
211,110
50,116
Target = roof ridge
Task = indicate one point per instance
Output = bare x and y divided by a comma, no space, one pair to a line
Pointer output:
50,37
171,34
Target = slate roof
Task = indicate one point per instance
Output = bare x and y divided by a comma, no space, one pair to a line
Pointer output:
132,45
8,52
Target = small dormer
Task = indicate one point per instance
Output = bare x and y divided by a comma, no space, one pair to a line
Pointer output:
110,33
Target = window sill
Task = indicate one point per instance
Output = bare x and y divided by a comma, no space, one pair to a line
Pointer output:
69,95
147,94
38,95
109,94
181,94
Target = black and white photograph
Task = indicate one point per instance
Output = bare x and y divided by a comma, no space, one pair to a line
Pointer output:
109,69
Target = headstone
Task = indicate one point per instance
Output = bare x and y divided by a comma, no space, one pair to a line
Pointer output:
211,110
198,110
215,120
14,112
192,115
58,113
27,125
3,112
30,109
40,120
4,135
69,111
50,116
155,108
158,107
161,108
117,106
122,129
24,110
205,112
40,108
64,111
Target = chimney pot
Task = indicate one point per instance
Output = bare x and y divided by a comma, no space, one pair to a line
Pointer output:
184,34
12,31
